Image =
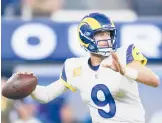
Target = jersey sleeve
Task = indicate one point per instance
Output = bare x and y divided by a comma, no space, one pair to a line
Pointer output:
65,76
134,54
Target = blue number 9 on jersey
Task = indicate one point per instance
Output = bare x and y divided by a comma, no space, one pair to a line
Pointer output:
108,100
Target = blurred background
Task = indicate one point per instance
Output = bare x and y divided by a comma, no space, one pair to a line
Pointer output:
38,35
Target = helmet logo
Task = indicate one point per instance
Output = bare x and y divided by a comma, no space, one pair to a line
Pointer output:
87,33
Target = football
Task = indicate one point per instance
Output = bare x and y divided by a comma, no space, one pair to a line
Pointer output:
19,86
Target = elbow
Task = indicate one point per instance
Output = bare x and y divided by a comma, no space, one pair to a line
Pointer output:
155,82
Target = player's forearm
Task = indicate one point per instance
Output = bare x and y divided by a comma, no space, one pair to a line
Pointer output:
45,94
144,74
147,77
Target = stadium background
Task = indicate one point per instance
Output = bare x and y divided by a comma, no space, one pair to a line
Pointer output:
38,35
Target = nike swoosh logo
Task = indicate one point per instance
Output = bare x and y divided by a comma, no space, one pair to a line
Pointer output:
137,53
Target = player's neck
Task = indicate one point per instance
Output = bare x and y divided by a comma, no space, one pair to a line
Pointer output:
96,59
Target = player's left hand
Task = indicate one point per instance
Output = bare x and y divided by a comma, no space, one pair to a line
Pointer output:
116,65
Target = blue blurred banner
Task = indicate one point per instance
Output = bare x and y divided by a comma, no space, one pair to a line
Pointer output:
48,40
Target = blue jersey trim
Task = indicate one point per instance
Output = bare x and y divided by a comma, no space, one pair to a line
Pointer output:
95,68
63,76
129,56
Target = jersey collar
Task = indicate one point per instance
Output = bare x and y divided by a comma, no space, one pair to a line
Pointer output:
94,68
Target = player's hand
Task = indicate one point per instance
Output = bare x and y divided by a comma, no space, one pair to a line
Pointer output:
18,73
116,65
25,73
22,73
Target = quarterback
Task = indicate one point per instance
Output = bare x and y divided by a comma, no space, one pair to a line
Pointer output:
108,79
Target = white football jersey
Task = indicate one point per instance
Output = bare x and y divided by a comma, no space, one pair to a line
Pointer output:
111,97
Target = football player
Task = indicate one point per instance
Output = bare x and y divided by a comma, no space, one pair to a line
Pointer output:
108,79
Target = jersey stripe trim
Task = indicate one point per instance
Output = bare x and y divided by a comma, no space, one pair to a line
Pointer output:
63,74
68,85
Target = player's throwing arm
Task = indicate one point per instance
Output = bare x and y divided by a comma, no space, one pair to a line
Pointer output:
134,70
